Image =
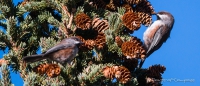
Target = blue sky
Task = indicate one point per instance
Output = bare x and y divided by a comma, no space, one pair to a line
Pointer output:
180,54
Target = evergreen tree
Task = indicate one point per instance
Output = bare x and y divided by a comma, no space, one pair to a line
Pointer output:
109,56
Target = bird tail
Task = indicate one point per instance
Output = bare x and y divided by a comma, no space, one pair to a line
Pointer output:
33,58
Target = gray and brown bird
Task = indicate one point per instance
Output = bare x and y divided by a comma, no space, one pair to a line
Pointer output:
158,32
63,52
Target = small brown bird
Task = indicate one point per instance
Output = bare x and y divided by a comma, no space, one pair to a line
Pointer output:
63,52
158,32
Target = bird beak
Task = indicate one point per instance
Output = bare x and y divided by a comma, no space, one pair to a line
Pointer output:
154,13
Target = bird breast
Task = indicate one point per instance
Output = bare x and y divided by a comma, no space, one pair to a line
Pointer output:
150,32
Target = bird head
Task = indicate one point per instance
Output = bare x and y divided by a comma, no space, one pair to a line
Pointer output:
163,15
166,17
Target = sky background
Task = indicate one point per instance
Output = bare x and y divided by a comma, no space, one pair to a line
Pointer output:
180,54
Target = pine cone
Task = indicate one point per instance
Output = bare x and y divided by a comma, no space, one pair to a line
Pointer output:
133,2
119,72
131,64
145,6
133,48
144,11
97,3
131,21
112,6
41,69
100,25
146,18
128,8
109,72
155,71
83,21
100,40
118,40
53,70
122,74
88,45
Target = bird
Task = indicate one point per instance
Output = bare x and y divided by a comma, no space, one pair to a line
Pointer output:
63,52
157,33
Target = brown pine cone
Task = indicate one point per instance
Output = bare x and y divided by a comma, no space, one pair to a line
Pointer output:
133,48
145,11
53,70
88,45
128,8
100,41
131,21
119,72
83,21
41,69
109,72
155,71
100,25
145,6
122,74
146,18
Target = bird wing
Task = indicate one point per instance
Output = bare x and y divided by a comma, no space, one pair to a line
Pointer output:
156,38
60,46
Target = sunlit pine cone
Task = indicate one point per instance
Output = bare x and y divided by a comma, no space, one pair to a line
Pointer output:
155,71
53,70
83,21
112,6
127,7
131,64
41,69
145,11
133,2
152,82
88,45
133,48
119,41
131,21
122,74
109,72
100,25
145,6
146,19
97,3
100,41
